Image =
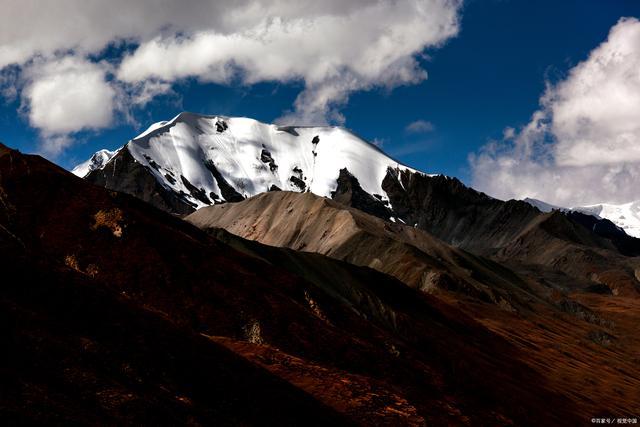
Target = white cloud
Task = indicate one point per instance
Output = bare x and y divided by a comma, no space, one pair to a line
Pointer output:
143,92
333,54
36,27
508,133
54,145
332,48
419,126
583,145
68,94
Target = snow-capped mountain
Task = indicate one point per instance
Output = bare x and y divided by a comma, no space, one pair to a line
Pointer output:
97,161
625,216
203,160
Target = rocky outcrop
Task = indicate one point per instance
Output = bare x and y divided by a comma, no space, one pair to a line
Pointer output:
464,217
350,193
126,175
514,232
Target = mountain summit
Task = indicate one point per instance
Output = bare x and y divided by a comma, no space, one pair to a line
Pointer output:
195,160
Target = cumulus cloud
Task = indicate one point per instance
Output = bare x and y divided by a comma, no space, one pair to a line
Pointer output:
324,51
35,27
332,48
143,92
419,126
67,95
583,145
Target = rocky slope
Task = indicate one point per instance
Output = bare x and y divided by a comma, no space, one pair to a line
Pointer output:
194,161
118,312
309,223
514,232
567,323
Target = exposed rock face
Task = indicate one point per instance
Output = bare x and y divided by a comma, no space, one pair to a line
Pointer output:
226,190
515,232
459,215
626,244
350,193
124,174
464,217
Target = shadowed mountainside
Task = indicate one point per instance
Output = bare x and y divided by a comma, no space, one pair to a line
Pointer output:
580,246
115,310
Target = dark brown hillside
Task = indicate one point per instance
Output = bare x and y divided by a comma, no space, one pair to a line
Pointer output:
77,353
114,299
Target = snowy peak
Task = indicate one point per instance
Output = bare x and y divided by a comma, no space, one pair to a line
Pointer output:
212,159
625,216
97,161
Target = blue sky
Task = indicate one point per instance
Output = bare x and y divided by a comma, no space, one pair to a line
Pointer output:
488,77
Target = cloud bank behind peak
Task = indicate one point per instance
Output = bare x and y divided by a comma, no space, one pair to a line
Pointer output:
583,145
333,48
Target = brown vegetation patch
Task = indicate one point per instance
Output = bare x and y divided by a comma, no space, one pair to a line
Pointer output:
111,219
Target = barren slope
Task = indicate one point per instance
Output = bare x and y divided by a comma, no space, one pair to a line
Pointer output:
120,310
571,330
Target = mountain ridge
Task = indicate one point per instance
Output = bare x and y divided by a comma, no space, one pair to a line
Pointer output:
525,293
196,160
206,159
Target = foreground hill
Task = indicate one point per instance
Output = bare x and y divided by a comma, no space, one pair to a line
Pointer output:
119,313
99,326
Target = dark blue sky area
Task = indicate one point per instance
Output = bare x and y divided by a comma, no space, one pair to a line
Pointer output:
491,76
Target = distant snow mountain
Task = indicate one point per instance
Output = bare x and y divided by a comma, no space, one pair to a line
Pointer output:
626,216
97,161
195,160
201,160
